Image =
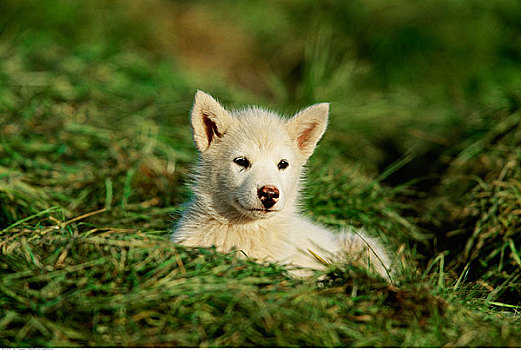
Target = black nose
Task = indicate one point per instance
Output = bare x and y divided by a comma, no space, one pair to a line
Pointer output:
268,195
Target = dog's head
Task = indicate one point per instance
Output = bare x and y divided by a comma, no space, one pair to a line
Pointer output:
251,160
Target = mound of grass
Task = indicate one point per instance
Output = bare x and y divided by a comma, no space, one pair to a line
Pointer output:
67,283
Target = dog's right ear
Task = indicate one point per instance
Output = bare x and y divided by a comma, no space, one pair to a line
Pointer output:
209,120
307,127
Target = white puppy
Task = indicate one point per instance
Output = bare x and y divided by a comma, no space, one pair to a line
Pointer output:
247,187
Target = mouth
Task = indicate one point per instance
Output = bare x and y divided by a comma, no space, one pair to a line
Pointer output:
263,210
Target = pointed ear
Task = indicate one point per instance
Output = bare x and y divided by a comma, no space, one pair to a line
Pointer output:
209,120
307,127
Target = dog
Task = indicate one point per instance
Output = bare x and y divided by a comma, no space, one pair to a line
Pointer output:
247,185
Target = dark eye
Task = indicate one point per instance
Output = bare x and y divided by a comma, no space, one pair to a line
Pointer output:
241,161
283,164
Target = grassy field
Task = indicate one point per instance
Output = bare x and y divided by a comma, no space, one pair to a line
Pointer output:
423,150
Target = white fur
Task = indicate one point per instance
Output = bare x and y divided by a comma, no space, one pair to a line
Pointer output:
226,211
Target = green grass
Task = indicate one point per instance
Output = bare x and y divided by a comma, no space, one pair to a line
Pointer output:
423,151
69,284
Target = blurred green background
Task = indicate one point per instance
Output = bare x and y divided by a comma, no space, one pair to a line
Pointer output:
422,149
404,78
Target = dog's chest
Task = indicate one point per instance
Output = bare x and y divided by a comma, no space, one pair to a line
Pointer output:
283,242
256,242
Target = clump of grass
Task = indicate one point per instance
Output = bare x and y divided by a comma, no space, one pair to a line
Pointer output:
480,198
340,193
18,197
63,144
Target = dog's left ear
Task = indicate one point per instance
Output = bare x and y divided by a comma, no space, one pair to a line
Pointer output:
307,127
